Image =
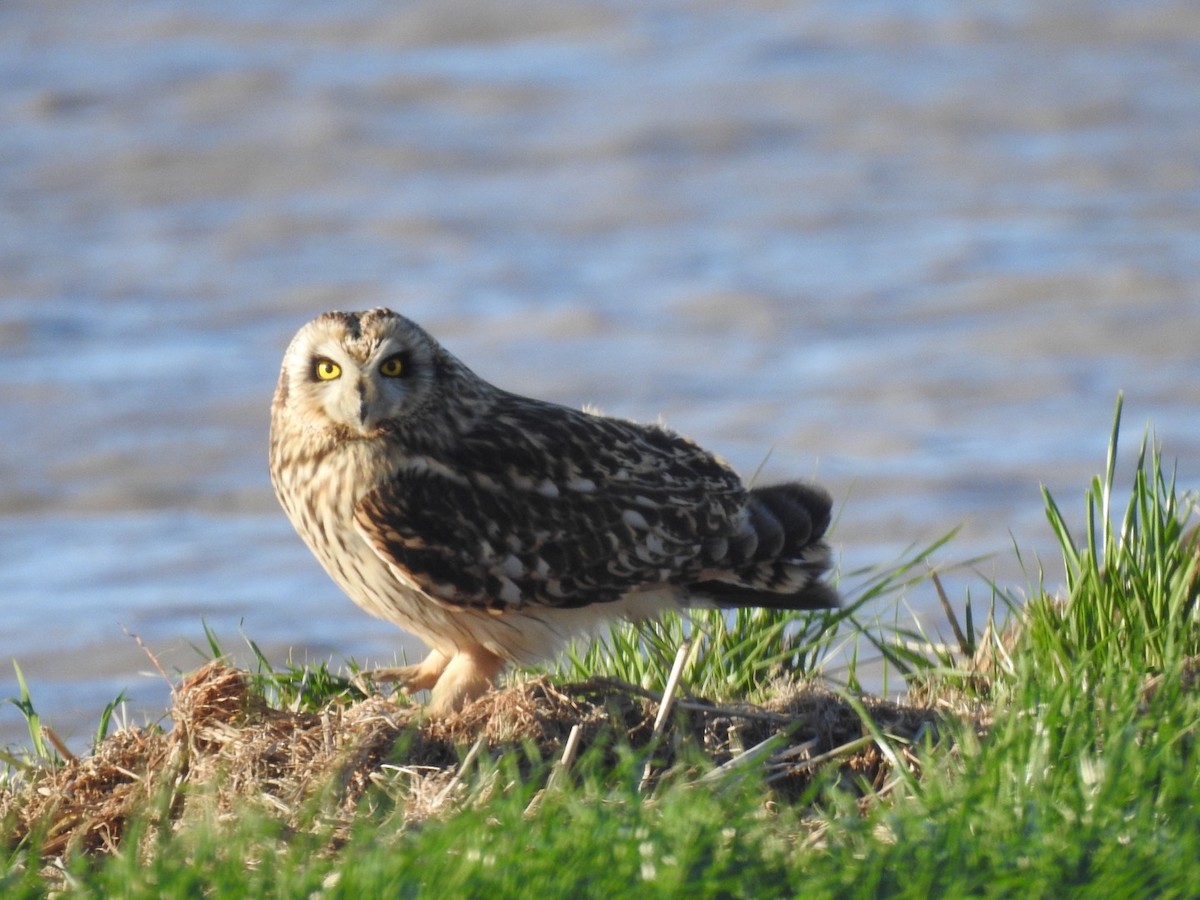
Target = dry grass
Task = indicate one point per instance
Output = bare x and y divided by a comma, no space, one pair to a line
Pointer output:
228,748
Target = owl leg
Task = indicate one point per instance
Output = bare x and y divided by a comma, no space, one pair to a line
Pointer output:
415,678
468,674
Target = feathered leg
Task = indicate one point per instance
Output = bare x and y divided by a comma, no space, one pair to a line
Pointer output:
472,671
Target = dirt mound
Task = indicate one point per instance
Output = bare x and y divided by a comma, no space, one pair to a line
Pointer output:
227,748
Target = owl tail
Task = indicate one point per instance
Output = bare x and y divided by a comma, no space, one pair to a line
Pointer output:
777,559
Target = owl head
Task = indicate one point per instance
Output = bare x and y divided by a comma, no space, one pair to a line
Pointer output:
359,373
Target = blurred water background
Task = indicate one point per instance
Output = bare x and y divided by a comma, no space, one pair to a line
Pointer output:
912,249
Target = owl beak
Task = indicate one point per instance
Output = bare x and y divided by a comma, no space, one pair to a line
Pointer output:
366,407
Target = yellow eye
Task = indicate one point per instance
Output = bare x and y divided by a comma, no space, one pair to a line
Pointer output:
327,370
392,367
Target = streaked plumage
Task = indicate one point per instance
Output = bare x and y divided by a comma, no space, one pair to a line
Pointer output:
496,527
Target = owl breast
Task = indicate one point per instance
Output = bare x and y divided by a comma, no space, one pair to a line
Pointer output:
319,495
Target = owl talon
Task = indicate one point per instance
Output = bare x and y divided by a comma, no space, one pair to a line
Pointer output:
411,679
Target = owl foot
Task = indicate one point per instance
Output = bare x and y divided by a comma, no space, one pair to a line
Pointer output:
454,680
414,678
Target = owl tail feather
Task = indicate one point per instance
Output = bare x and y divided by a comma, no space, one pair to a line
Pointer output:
778,558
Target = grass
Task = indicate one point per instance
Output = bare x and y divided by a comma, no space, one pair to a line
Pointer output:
1131,581
309,687
1063,759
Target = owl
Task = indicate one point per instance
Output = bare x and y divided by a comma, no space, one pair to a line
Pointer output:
496,527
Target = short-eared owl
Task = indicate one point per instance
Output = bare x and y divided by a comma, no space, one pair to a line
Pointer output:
496,527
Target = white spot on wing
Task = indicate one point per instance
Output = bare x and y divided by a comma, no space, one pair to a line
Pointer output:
509,592
423,464
635,519
484,481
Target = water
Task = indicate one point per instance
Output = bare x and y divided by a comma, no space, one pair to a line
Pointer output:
913,250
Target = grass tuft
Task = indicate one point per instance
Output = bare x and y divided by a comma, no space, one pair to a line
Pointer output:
1131,582
41,752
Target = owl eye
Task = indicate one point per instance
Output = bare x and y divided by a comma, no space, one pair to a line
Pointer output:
392,367
326,370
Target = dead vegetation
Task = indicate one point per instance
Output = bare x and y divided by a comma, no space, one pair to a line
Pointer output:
227,748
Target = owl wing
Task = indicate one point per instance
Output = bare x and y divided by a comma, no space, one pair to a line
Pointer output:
561,511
